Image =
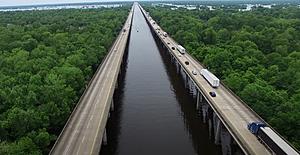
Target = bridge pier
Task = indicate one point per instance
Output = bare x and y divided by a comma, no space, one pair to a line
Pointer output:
210,128
217,128
195,89
226,141
210,121
117,84
186,80
112,106
104,139
179,67
205,107
199,99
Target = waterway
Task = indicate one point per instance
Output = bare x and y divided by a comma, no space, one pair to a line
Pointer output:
154,113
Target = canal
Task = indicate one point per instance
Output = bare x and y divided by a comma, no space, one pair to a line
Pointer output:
154,112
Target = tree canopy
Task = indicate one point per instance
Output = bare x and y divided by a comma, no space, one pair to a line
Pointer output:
46,59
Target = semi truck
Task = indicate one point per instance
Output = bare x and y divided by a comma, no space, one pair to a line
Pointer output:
181,49
271,139
210,77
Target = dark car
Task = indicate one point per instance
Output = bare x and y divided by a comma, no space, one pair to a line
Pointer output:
187,63
212,94
173,48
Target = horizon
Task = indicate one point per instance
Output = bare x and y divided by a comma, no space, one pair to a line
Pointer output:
16,3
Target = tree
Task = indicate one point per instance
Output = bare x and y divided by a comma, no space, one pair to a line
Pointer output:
209,36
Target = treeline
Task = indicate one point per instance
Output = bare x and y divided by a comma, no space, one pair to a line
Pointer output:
256,54
46,60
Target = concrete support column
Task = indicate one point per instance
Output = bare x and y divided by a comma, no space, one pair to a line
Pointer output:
104,138
210,122
205,112
117,84
217,129
198,99
112,106
226,141
210,128
186,80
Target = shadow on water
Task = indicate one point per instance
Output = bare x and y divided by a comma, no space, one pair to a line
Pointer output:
198,131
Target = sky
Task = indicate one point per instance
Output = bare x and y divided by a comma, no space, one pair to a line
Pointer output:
34,2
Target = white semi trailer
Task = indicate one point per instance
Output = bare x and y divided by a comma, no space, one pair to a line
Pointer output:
181,49
210,77
271,139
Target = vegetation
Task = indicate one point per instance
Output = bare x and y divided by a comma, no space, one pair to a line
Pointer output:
46,59
256,54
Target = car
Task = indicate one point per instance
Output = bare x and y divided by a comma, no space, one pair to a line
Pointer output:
186,62
194,72
165,34
173,48
212,94
179,55
168,43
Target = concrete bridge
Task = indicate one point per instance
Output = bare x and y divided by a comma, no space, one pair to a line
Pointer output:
226,114
85,130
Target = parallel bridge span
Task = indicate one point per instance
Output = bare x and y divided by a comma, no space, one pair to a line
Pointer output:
85,130
227,107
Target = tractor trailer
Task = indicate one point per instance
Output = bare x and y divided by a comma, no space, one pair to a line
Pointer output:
210,77
271,139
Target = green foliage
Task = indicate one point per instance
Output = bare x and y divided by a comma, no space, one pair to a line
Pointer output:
256,53
46,59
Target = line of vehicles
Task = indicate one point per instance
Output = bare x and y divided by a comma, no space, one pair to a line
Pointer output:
210,77
265,134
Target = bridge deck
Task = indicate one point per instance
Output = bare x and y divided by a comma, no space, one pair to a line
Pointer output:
84,130
233,113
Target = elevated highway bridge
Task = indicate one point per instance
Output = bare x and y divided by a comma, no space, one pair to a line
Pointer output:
227,114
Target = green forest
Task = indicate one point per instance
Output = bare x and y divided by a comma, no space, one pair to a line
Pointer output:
255,53
46,59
